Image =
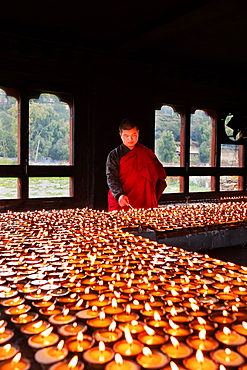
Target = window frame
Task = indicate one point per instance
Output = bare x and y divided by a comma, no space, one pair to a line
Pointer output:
23,170
215,170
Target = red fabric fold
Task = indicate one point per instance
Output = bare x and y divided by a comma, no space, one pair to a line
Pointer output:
139,173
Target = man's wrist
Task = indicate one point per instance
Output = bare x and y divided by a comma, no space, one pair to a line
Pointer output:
119,195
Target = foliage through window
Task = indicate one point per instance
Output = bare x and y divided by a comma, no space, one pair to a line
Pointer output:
8,129
200,139
49,131
167,136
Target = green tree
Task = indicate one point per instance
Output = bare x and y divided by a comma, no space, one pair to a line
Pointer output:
8,126
204,152
166,147
49,129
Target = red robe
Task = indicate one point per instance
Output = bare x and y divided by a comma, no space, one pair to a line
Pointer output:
139,172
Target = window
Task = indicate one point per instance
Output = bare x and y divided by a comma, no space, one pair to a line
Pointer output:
200,139
49,131
9,130
231,183
198,163
167,136
173,184
8,188
49,187
199,184
231,155
36,153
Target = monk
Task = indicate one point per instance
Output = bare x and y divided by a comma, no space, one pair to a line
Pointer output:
135,177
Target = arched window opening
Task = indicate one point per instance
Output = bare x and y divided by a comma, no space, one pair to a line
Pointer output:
167,136
200,139
49,131
9,129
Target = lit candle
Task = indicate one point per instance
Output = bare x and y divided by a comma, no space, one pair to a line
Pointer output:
134,327
108,335
176,350
24,318
72,364
173,366
70,330
222,318
113,308
229,337
151,338
50,285
79,343
17,363
179,318
7,292
73,308
201,323
156,322
128,347
241,328
35,327
52,309
44,339
126,316
202,342
5,334
120,364
152,359
199,362
51,355
8,351
100,322
88,313
17,310
177,331
97,356
12,301
227,357
62,318
149,311
36,295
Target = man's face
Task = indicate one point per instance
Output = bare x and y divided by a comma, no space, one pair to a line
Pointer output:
130,137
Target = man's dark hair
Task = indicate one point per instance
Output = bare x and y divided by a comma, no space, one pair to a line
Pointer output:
127,124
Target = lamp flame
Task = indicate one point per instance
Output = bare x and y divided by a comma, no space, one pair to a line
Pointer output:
202,334
173,325
113,326
118,359
199,356
149,330
128,336
60,345
7,347
147,351
16,359
244,324
175,342
101,346
201,321
46,332
226,330
173,366
73,362
102,315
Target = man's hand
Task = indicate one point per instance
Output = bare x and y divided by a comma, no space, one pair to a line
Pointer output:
123,200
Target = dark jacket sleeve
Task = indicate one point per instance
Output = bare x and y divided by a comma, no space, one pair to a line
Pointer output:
112,174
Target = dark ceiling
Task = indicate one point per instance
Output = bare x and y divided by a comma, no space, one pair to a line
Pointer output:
209,35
